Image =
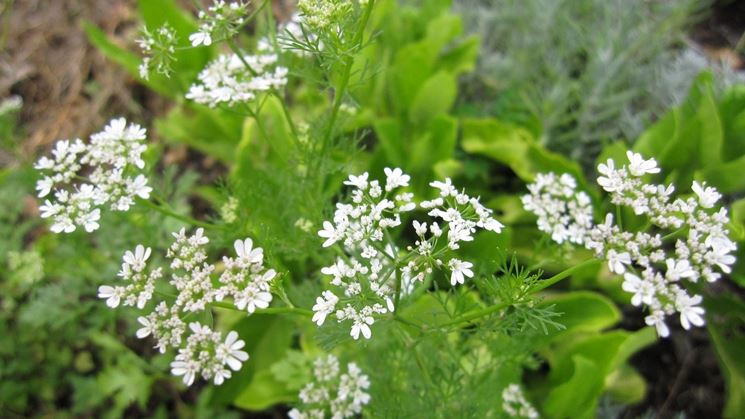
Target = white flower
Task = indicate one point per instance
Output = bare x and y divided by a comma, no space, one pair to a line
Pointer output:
459,270
110,154
329,233
200,38
362,324
111,294
638,166
420,228
245,252
617,261
395,178
137,259
707,196
610,180
678,269
446,188
252,298
227,80
689,311
657,319
231,352
359,182
643,291
325,305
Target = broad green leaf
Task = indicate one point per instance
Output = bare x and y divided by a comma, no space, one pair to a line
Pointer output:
577,397
435,97
584,311
626,386
211,131
725,317
516,148
461,58
264,391
388,131
727,177
436,144
267,337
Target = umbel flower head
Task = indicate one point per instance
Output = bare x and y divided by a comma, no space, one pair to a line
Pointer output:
202,352
233,79
159,48
685,239
220,21
332,395
515,405
366,279
110,167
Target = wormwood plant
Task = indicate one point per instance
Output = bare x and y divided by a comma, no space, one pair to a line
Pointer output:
582,73
368,287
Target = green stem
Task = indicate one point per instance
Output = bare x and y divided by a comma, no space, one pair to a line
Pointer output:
501,306
162,208
234,47
343,84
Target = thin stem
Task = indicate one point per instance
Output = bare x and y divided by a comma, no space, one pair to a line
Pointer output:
234,47
162,208
563,274
343,84
501,306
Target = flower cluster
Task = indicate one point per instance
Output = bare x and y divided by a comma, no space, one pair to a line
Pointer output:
221,21
112,162
695,244
562,212
371,273
233,79
332,395
159,47
320,14
201,350
516,405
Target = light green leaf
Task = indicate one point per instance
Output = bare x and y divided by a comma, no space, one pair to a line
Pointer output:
435,97
515,147
584,311
577,397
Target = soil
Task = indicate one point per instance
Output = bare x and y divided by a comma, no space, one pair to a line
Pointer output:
70,90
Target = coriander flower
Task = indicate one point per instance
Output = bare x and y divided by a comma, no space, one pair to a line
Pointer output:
207,356
220,21
325,305
108,166
200,38
140,284
459,271
707,196
159,48
202,352
655,272
332,395
232,79
638,166
373,272
516,405
395,178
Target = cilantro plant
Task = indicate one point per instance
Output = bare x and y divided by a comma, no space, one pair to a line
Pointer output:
348,261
